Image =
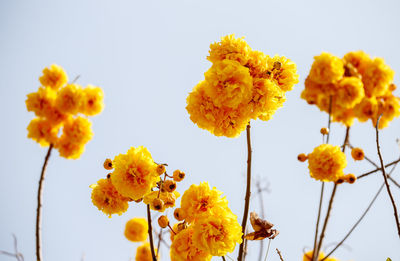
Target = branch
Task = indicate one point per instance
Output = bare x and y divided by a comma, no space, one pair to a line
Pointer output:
150,231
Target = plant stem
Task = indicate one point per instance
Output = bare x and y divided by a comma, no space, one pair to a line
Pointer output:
153,254
329,118
318,219
360,219
378,169
223,258
39,206
259,191
247,197
396,216
280,255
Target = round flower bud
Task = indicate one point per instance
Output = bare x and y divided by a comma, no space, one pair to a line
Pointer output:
357,154
108,164
160,169
324,131
181,226
178,175
169,185
350,178
163,221
157,204
340,180
139,200
302,157
179,214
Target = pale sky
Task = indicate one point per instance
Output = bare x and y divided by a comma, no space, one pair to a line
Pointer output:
147,56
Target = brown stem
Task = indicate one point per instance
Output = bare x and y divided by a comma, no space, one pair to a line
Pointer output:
396,216
223,258
150,231
39,206
394,182
318,219
378,169
159,241
247,197
329,119
259,191
321,238
280,254
360,219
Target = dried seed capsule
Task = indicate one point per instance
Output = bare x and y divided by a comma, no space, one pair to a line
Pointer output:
357,154
178,175
163,221
160,169
179,214
169,185
108,164
324,131
157,204
302,157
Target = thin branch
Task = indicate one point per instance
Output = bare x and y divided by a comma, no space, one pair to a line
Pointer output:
392,180
159,241
162,240
280,255
39,206
360,219
329,119
248,193
266,255
223,258
259,191
150,231
396,216
378,169
318,219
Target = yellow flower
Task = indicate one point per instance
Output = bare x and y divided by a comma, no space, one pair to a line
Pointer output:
229,84
92,102
69,99
307,256
201,200
326,69
283,72
217,234
366,109
184,249
134,173
235,49
107,199
168,198
390,110
143,252
258,64
53,77
69,149
220,121
358,59
78,130
43,131
136,229
350,91
377,78
326,162
41,102
345,116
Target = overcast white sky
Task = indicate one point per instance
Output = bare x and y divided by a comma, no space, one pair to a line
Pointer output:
147,56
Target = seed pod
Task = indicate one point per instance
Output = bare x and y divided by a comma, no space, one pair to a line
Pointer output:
357,154
163,221
178,175
302,157
169,185
108,164
350,178
324,131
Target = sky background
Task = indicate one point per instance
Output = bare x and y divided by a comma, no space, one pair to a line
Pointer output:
147,56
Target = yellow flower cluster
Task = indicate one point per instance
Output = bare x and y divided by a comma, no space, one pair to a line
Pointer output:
136,229
307,257
135,177
143,253
356,86
57,106
242,84
209,227
326,163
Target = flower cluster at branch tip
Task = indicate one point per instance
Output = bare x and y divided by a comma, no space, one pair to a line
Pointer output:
356,86
136,229
143,253
58,105
135,177
307,257
326,163
207,228
242,84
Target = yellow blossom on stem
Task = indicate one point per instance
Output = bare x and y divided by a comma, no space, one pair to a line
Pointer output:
350,91
201,200
69,99
136,229
377,78
107,199
143,253
217,234
184,249
358,59
326,162
168,199
78,130
92,101
43,131
283,72
231,48
53,77
326,68
135,173
41,102
69,149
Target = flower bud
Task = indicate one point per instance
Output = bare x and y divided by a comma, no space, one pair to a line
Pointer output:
178,175
179,214
108,164
160,169
163,221
169,185
157,204
302,157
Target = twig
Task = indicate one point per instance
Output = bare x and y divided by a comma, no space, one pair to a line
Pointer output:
266,255
378,169
259,191
318,219
248,193
162,240
76,78
39,206
392,180
396,216
280,255
153,254
223,258
360,219
159,242
329,118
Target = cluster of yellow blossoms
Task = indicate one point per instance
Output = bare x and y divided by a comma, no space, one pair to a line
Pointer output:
134,178
242,84
207,228
57,105
307,257
356,86
326,163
